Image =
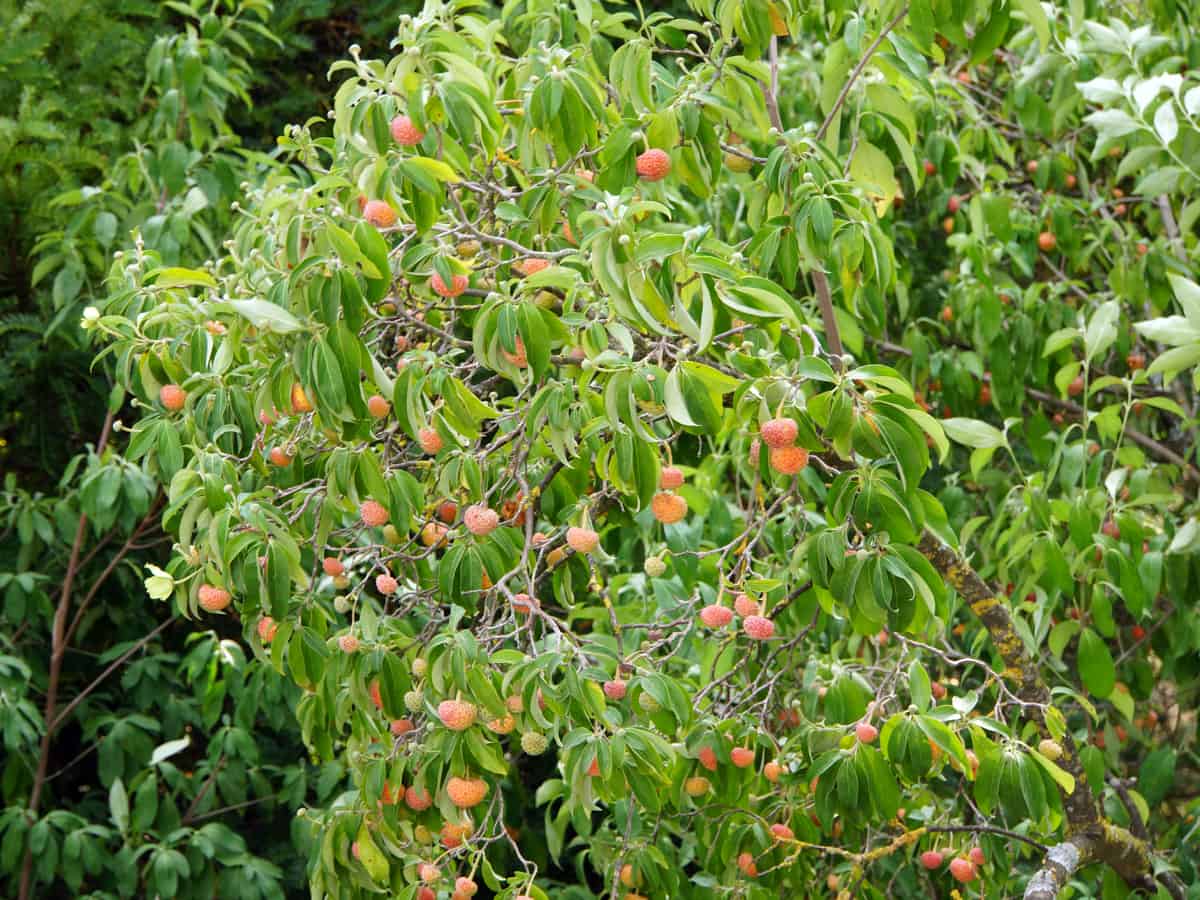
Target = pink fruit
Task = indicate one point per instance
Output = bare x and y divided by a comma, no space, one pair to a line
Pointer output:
348,643
458,284
670,478
379,214
931,859
668,508
523,604
758,627
716,616
417,800
172,396
582,540
332,566
481,520
866,732
213,598
977,856
653,165
386,584
788,460
708,758
373,514
962,869
782,832
779,432
457,715
615,689
405,133
378,407
745,605
266,629
742,757
429,440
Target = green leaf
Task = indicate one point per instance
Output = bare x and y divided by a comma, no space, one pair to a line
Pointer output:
974,433
1096,669
267,316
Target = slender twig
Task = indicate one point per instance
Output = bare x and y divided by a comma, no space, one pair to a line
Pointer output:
858,70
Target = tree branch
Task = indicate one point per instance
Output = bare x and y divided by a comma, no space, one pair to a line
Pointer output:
858,70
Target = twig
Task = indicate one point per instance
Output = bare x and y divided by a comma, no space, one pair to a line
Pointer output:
858,70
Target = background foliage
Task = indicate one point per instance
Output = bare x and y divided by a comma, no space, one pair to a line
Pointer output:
1003,207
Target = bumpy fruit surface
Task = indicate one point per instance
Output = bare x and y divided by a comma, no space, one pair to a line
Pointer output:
866,732
379,214
654,566
931,859
668,508
405,133
759,628
716,616
615,689
653,165
457,715
458,284
332,566
212,598
742,757
266,629
400,727
582,540
977,856
1047,241
378,407
480,520
373,514
518,357
697,786
782,832
531,266
466,792
465,886
386,584
348,643
534,743
962,869
429,440
428,872
670,478
502,725
779,432
708,758
1052,750
745,605
418,799
279,457
745,862
772,771
788,460
523,604
172,397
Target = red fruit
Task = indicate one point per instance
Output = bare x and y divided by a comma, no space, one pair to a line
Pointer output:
447,511
1047,241
1070,182
354,849
425,893
518,357
1111,529
931,859
1075,388
930,168
373,514
977,856
405,133
465,886
582,540
172,396
668,508
948,225
386,584
745,862
300,402
1135,361
531,265
458,284
962,869
417,800
772,771
379,214
758,628
332,567
779,432
466,792
348,643
947,314
741,757
985,395
279,457
938,690
782,832
212,598
1032,166
402,726
378,407
708,758
594,769
670,478
952,204
480,520
376,696
653,165
1137,632
866,732
615,689
1142,249
457,715
427,872
429,440
788,460
745,605
716,616
267,628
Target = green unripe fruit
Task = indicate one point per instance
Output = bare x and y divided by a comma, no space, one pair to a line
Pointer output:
413,701
1052,750
648,703
654,566
391,535
342,604
420,666
534,743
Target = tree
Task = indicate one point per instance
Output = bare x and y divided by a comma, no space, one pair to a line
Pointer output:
559,421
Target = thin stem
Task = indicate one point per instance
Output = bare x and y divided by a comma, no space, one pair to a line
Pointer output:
858,70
